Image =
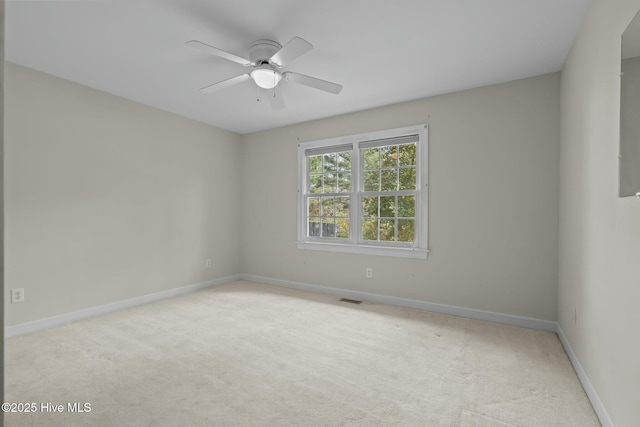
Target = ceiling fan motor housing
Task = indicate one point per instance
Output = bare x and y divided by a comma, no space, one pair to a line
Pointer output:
261,50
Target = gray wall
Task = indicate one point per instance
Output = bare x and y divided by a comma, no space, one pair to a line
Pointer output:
599,232
2,206
107,199
493,222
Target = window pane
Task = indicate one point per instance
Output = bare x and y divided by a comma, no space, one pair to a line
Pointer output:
315,164
389,156
342,228
371,158
315,184
387,205
342,207
344,182
328,227
387,230
370,207
314,227
370,229
406,206
389,180
406,230
313,206
329,183
407,154
408,179
327,206
372,181
380,179
330,162
344,161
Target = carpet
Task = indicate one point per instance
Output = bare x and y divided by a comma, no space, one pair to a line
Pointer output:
249,354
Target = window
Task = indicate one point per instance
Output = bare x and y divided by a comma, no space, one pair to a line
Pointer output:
365,193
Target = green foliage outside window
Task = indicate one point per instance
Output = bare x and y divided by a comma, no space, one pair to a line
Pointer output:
329,174
384,218
389,168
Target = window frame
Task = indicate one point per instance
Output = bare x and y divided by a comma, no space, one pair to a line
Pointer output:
355,244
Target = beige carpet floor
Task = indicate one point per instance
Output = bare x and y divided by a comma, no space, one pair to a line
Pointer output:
248,354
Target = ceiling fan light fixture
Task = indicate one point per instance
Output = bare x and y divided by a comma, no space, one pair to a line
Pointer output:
266,78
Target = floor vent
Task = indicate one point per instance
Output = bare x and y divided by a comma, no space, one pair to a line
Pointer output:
352,301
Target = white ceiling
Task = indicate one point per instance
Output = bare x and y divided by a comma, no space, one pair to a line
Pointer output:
382,52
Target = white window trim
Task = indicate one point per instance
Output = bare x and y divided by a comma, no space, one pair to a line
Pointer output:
353,246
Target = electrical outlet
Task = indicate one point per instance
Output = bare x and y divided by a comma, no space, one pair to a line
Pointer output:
17,295
369,273
208,263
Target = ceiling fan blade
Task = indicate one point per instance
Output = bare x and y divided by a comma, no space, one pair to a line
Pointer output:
218,52
313,82
292,50
277,102
225,83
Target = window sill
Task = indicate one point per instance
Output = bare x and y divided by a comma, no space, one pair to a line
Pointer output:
365,250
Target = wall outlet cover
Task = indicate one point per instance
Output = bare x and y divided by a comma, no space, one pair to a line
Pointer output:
17,295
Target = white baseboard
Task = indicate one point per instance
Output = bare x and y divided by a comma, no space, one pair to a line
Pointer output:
601,411
508,319
489,316
49,322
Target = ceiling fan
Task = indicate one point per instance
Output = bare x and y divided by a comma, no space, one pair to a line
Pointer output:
266,58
